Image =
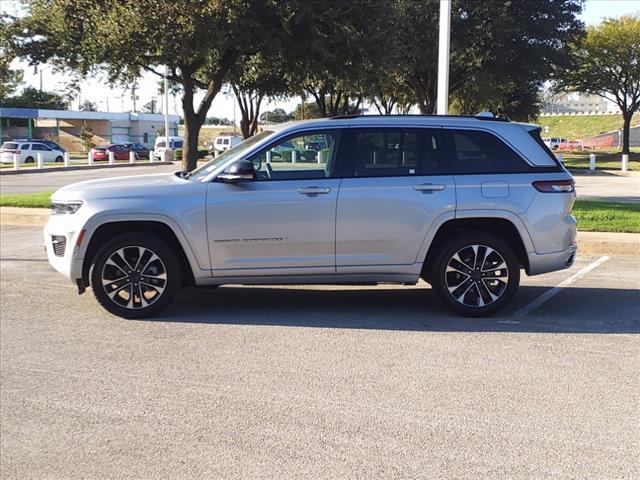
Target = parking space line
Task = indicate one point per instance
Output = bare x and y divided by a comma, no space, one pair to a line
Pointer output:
555,290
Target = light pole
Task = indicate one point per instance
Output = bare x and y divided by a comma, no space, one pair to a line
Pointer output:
443,57
166,106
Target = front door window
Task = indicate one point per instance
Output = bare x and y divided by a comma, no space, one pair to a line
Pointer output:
301,157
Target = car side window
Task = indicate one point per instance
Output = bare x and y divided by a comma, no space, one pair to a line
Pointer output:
389,152
303,156
25,146
433,157
385,152
477,152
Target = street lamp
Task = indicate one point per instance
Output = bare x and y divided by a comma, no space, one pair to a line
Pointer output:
443,57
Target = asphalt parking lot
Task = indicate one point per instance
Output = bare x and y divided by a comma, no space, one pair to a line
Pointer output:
320,382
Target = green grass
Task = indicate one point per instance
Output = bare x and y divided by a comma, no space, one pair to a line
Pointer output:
574,127
609,159
28,200
596,216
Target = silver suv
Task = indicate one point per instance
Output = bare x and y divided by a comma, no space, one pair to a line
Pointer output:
463,202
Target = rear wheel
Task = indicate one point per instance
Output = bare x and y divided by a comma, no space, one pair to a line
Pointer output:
29,160
59,159
476,274
135,275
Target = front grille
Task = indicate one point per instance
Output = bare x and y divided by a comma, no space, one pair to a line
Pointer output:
59,245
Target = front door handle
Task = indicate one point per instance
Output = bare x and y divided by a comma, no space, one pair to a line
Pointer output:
429,187
314,190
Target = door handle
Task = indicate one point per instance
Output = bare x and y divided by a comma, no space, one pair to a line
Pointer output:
314,190
429,187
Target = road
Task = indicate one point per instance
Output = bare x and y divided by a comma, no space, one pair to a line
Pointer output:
50,181
602,187
319,382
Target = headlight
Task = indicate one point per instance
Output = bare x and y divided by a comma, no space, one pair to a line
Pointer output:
65,208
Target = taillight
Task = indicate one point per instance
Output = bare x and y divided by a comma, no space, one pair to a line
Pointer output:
555,186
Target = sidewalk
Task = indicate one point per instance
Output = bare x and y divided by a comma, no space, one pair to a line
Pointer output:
588,242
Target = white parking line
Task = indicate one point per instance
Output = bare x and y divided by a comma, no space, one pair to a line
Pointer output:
555,290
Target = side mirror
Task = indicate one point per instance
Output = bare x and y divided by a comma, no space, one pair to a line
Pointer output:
238,171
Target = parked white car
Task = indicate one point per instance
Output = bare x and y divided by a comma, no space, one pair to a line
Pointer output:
553,143
28,152
223,143
160,145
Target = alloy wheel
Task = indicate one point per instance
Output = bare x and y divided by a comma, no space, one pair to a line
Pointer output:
134,277
476,276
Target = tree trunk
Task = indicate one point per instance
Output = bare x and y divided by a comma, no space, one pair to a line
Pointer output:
626,115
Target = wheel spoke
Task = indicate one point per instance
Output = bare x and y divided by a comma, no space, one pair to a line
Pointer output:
457,258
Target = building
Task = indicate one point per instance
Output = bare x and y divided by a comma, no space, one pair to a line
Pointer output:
68,128
576,103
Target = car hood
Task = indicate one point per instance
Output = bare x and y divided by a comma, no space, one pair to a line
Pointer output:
119,187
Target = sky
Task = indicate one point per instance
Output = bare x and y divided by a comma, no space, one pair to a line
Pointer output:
118,100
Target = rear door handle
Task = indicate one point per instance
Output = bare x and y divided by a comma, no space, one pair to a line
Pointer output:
314,190
429,187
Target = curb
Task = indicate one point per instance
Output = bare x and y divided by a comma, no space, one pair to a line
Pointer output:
588,242
81,167
603,173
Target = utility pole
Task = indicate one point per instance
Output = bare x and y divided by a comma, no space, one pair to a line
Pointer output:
443,57
166,105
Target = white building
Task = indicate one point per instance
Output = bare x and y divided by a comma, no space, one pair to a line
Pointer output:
64,126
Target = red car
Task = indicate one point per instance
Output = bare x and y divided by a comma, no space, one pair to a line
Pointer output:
101,153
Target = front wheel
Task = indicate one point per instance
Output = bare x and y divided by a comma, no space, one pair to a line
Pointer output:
135,275
476,274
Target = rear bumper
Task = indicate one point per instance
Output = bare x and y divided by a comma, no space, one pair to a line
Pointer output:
549,262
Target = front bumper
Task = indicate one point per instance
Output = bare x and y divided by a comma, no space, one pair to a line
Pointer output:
60,241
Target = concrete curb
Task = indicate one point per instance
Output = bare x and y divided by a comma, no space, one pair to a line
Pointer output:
603,173
80,167
602,243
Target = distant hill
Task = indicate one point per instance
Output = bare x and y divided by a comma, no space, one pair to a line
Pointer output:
575,127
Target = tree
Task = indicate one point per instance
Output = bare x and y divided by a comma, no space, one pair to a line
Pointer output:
34,98
88,106
501,52
607,63
199,42
151,106
337,48
277,115
254,78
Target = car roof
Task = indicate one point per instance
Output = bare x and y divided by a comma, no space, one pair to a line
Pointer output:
451,121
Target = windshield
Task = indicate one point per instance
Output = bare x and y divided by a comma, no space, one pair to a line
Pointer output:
201,173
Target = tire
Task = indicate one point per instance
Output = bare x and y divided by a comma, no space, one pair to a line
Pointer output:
59,159
463,285
114,275
29,160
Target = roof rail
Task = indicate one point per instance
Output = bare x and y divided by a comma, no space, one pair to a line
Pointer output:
481,116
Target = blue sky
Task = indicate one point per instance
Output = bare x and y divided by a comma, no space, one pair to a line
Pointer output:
223,106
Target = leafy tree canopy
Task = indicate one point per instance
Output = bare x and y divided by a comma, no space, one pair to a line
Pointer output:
607,63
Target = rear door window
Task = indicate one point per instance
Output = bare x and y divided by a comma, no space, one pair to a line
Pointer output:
392,152
9,146
477,152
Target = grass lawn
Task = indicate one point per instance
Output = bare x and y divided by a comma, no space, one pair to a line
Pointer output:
595,216
605,159
31,200
592,215
573,127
